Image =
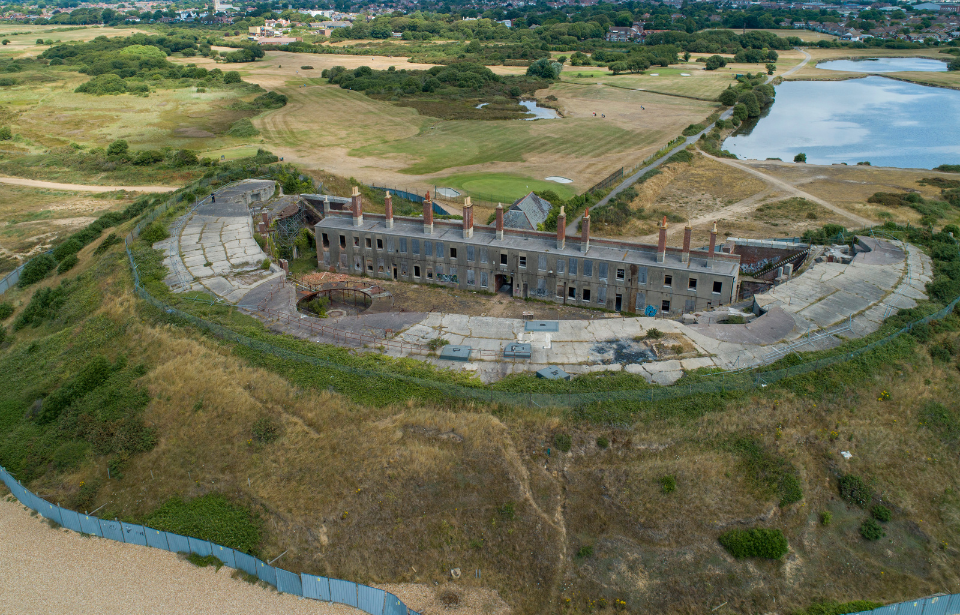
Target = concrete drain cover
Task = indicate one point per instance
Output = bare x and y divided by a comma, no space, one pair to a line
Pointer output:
455,353
542,325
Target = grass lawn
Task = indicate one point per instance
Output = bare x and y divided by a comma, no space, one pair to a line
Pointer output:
500,187
230,153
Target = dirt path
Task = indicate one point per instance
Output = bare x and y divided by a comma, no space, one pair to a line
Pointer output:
740,207
33,183
793,190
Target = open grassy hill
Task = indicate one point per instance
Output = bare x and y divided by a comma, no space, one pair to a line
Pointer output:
110,401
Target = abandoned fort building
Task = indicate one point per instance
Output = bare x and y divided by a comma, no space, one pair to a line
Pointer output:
590,272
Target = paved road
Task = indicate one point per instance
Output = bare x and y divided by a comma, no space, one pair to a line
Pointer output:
33,183
572,228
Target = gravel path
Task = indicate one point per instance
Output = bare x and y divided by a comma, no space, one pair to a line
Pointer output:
59,571
33,183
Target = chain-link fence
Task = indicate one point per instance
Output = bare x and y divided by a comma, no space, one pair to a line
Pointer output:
368,599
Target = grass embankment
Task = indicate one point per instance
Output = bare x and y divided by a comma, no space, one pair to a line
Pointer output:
385,481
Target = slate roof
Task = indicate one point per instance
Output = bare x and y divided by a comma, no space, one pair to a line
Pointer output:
527,213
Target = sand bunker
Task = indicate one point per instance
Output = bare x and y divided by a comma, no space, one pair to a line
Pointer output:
558,179
448,192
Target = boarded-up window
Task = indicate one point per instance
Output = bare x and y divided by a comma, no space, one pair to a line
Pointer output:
416,245
357,263
403,245
483,279
588,269
573,266
439,249
483,256
602,270
560,270
343,260
379,265
403,268
427,248
642,275
326,258
471,253
390,244
641,302
602,295
541,287
471,277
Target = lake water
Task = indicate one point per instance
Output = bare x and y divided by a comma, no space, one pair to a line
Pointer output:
885,65
883,121
539,113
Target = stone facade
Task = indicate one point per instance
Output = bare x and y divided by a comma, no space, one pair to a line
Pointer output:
590,272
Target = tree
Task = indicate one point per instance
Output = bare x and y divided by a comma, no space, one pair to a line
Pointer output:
118,148
771,68
231,76
686,56
801,157
954,64
5,133
753,105
545,68
740,112
728,97
618,67
714,62
6,41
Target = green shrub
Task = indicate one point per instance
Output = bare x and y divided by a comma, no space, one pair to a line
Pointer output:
855,491
110,240
69,454
943,421
147,156
826,518
668,484
118,148
603,442
437,343
5,133
881,513
585,551
654,334
757,542
681,156
692,129
44,305
6,310
65,249
154,233
36,269
563,442
210,517
507,511
830,607
265,264
231,76
266,429
102,85
67,264
306,68
871,530
243,128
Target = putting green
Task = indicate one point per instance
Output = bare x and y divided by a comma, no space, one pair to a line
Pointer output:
500,187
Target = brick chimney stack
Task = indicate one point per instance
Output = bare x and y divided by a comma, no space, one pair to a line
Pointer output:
356,206
687,233
499,221
562,228
662,243
326,205
585,232
713,245
467,218
427,215
388,209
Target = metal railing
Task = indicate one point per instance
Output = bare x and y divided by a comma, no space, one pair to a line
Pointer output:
368,599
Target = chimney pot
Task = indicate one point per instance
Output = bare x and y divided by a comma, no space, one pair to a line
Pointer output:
467,219
388,209
585,232
427,214
662,243
687,234
356,206
562,228
713,245
499,221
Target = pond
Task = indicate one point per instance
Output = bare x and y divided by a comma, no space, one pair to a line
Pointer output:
885,65
874,119
539,113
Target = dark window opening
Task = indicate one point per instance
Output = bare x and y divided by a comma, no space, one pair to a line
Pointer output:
667,280
717,286
416,271
368,242
379,244
572,292
343,241
665,306
503,259
523,262
620,274
692,284
453,253
326,240
356,242
586,294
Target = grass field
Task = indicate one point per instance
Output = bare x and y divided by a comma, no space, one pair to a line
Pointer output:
804,35
33,219
23,37
699,83
500,187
